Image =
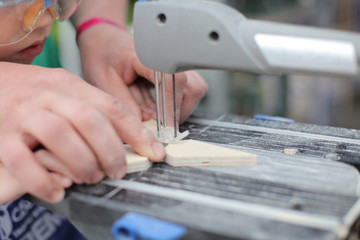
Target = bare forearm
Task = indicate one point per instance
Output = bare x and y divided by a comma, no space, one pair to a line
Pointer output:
115,10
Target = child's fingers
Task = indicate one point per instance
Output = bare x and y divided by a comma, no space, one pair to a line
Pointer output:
195,90
23,166
114,85
10,188
148,98
138,93
138,96
64,181
56,166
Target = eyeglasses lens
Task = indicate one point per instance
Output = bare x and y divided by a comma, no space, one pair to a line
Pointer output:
33,15
27,16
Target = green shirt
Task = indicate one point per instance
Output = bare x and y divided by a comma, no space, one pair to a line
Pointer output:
49,57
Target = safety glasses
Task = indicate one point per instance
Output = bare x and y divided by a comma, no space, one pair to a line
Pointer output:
18,18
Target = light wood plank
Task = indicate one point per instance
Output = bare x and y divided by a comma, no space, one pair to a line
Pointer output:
136,162
196,153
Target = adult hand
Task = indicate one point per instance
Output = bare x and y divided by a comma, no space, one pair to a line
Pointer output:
53,121
111,64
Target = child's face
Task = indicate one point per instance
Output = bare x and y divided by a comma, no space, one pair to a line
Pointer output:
27,49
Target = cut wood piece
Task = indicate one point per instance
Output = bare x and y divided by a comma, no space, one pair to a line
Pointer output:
135,162
291,151
196,153
150,124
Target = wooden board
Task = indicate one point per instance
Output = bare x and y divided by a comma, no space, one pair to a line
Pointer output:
135,162
190,153
150,124
196,153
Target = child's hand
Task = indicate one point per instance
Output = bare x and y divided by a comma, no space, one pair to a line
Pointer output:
79,127
11,188
112,65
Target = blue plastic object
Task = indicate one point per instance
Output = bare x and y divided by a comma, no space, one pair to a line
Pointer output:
273,118
143,0
133,226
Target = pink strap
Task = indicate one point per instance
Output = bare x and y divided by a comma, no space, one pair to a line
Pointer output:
95,21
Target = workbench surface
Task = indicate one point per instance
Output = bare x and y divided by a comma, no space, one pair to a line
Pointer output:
313,194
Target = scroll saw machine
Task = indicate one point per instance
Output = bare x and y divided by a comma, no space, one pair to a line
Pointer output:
313,194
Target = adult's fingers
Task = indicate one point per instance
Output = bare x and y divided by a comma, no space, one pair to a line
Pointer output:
98,133
23,166
128,126
132,131
59,137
